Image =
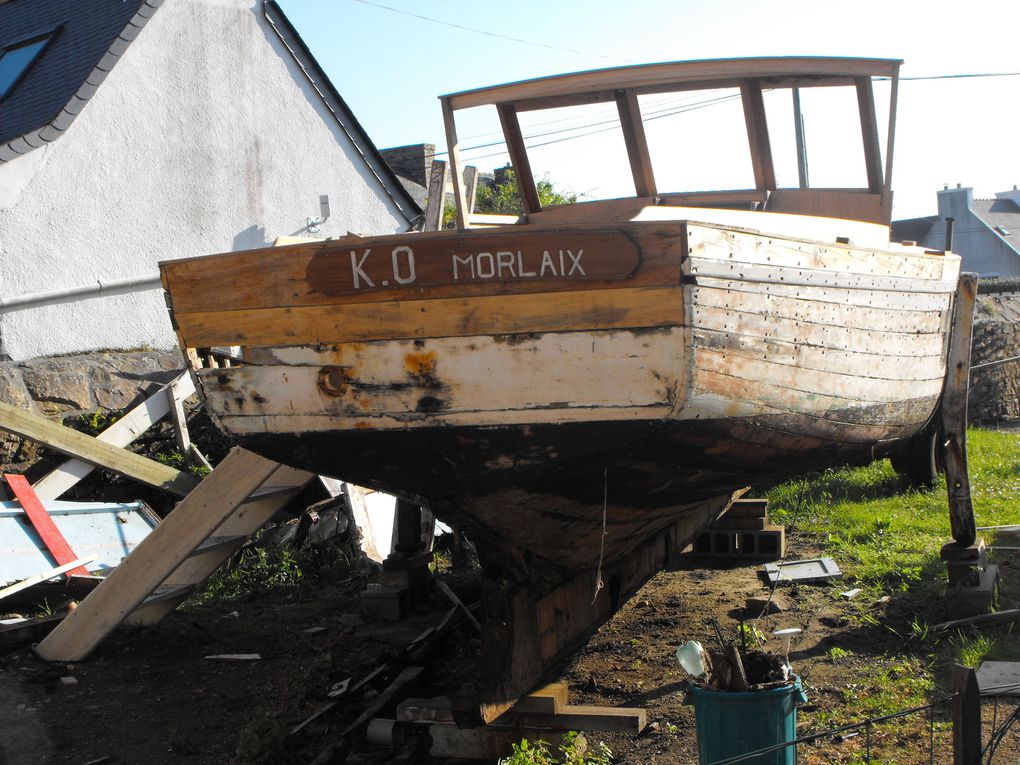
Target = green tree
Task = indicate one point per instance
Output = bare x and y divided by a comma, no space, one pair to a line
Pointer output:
505,199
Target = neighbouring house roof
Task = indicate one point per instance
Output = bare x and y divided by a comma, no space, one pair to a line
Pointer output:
912,229
82,49
1002,216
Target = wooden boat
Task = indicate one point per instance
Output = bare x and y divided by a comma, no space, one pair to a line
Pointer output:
585,388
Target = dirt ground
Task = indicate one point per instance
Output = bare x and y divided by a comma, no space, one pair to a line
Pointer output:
151,696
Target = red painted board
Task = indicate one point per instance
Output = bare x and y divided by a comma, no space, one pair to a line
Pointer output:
44,525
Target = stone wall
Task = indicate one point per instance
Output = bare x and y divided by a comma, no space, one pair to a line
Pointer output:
995,391
69,385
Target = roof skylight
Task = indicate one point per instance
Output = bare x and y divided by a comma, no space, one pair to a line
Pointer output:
16,58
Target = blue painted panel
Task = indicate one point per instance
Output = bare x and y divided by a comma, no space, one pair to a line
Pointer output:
104,531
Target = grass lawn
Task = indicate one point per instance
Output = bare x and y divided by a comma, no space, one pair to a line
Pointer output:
886,538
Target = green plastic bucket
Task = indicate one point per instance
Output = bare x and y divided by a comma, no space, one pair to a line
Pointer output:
730,723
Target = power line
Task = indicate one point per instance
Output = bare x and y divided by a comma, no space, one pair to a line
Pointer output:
492,34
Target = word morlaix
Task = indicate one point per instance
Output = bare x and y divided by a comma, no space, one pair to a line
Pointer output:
597,256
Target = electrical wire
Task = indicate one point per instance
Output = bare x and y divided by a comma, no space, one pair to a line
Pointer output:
493,34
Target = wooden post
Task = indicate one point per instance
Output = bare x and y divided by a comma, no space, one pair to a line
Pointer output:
437,196
966,717
954,413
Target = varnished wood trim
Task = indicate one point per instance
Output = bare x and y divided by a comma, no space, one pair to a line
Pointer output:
705,73
758,135
497,314
453,151
869,133
637,145
519,157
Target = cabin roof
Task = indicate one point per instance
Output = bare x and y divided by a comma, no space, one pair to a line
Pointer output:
599,84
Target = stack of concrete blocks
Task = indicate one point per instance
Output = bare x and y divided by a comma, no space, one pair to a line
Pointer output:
743,531
973,581
403,583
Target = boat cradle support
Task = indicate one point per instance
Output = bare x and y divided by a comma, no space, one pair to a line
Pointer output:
526,635
954,413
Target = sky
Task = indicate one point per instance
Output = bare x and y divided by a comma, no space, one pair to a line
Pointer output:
390,65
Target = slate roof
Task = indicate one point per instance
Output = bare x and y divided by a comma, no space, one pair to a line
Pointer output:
84,48
1002,216
912,229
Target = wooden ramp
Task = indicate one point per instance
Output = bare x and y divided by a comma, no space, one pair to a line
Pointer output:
203,531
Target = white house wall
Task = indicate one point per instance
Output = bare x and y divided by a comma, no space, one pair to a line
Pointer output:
205,137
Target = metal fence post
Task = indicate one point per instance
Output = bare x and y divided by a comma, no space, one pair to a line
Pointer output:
966,717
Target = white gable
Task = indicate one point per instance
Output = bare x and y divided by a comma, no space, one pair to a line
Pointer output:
205,137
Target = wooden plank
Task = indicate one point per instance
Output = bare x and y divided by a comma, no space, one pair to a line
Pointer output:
519,157
852,205
876,365
722,246
636,142
812,312
899,301
754,325
24,584
550,699
954,413
585,717
121,433
452,596
156,557
869,133
889,145
437,196
700,72
497,314
175,396
453,152
470,374
74,444
43,524
764,274
758,135
860,421
278,277
251,515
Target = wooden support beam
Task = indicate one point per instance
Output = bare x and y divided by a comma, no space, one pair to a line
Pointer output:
437,196
31,581
16,420
453,152
157,556
894,87
470,188
954,413
44,526
519,157
121,433
524,635
869,133
636,142
801,140
758,135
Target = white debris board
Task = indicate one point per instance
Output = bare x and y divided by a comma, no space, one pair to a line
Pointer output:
809,570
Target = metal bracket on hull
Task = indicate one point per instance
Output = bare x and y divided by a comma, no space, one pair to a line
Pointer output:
954,413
